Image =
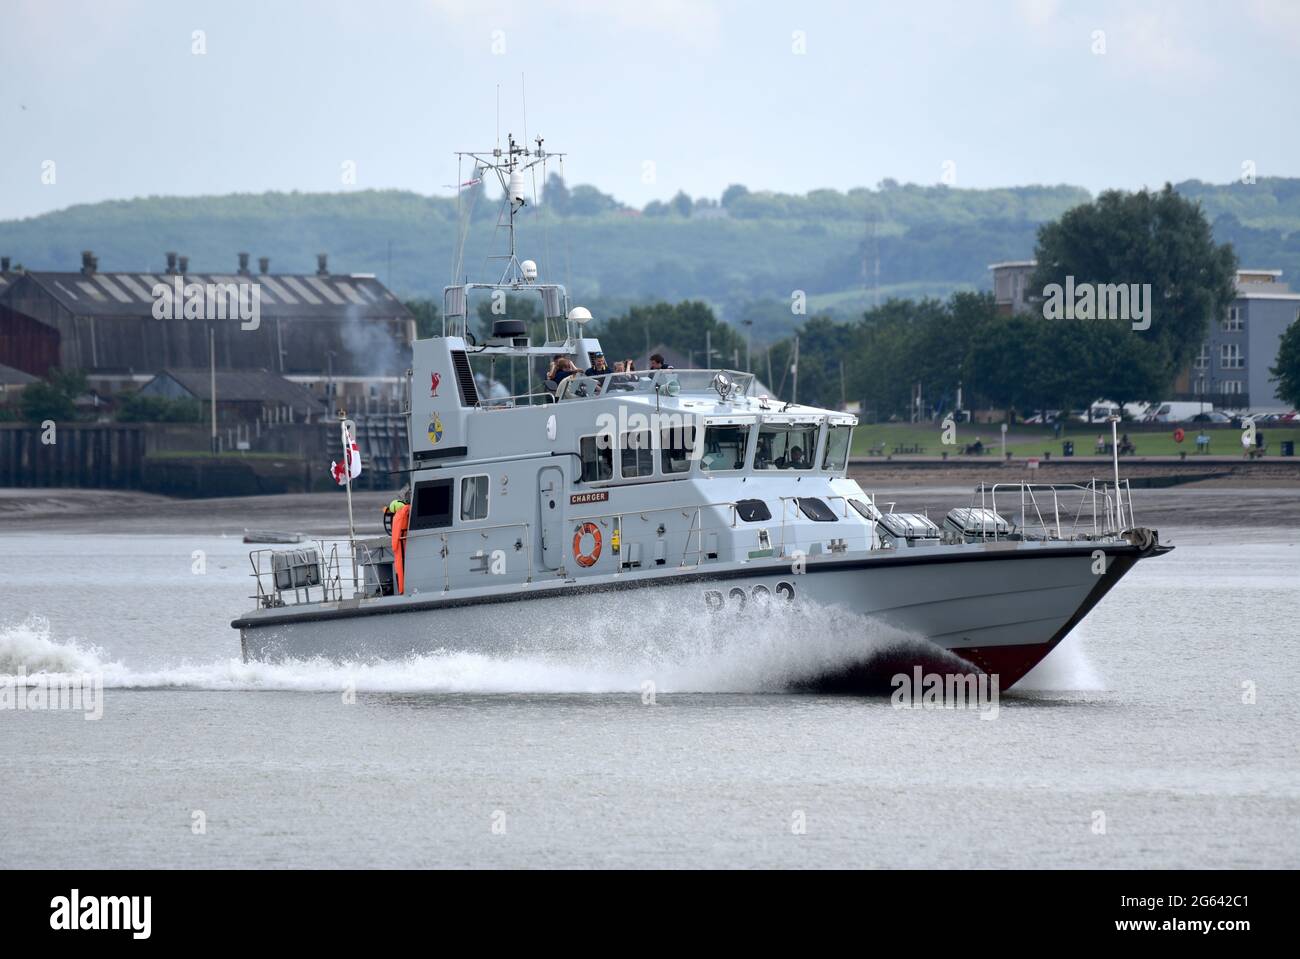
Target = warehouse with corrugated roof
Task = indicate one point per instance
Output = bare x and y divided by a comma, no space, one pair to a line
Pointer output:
343,336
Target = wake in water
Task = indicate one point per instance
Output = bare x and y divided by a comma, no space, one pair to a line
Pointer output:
762,650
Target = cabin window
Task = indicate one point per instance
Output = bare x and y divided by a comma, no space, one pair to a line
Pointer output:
635,454
865,510
837,448
431,504
676,446
597,455
815,509
473,498
725,448
752,510
786,446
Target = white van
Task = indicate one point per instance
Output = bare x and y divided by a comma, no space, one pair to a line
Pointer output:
1174,412
1102,410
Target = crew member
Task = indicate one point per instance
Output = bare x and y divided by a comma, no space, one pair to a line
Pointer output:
401,519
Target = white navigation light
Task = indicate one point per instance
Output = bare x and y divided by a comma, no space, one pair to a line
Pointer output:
580,315
529,269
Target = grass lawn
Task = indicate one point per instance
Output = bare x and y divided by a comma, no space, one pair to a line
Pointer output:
1035,440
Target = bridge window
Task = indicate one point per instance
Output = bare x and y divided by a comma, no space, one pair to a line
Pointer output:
597,455
786,446
675,447
837,448
638,459
725,448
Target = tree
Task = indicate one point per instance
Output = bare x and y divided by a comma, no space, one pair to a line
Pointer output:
733,193
427,317
681,203
54,398
135,408
1287,372
556,195
586,200
686,327
1160,239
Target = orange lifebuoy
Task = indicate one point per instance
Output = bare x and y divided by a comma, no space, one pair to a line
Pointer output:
584,558
1179,435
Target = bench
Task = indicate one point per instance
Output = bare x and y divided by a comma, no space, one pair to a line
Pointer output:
877,449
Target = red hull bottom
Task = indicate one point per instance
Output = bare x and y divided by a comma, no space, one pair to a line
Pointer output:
1008,663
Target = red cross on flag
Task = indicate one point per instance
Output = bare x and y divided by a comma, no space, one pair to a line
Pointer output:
350,468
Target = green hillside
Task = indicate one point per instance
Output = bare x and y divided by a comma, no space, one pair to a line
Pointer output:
744,255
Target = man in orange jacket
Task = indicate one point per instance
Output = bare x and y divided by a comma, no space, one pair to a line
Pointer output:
401,513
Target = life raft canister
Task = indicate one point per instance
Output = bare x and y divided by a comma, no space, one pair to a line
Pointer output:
584,558
1179,435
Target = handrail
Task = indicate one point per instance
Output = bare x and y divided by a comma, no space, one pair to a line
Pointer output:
645,381
653,509
694,529
444,533
508,402
1112,508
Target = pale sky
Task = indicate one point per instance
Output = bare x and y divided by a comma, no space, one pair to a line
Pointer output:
647,96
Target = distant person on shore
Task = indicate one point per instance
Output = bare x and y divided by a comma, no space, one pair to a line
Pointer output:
1101,443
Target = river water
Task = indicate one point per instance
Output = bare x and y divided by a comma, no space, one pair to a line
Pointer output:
1163,732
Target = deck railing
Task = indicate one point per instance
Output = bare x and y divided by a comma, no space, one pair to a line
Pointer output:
1101,511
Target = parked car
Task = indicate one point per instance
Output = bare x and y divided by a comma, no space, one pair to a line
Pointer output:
1214,416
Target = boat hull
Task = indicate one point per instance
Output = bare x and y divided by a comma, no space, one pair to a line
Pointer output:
1001,608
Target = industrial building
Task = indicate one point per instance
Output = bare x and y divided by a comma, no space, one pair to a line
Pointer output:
344,337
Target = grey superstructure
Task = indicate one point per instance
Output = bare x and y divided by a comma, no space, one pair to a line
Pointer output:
522,509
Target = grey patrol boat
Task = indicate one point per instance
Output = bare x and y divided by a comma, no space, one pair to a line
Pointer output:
531,509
